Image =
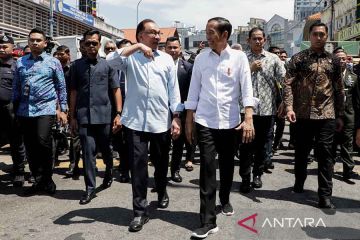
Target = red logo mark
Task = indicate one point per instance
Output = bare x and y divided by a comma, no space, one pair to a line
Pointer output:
253,217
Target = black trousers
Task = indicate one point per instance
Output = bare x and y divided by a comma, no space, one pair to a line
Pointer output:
120,145
93,136
258,151
10,126
74,152
212,141
138,157
323,132
280,126
345,140
178,147
38,143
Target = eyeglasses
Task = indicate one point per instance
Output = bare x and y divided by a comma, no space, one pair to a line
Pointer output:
88,44
110,49
153,33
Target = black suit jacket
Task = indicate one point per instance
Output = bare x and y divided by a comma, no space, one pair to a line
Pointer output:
184,77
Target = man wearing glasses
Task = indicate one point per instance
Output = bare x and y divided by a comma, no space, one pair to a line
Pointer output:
110,46
152,95
93,83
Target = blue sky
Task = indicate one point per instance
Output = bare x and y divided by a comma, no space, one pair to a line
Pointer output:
122,13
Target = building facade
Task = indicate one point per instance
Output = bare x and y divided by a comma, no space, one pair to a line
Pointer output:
305,8
345,26
18,17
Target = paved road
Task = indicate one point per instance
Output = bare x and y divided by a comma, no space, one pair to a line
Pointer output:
108,215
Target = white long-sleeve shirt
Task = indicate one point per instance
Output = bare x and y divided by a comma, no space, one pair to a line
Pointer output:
215,88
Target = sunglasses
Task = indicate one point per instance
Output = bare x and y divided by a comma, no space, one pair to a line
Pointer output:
110,49
94,44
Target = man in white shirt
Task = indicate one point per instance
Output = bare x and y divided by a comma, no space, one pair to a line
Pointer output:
218,75
152,97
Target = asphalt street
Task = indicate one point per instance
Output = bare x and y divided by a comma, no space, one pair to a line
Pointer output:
107,217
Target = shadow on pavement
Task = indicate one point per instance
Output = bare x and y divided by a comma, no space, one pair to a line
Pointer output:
332,232
309,198
122,216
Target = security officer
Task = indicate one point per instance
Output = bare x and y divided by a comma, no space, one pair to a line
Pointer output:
345,137
8,124
93,83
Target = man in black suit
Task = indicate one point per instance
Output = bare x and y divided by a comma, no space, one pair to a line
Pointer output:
184,71
93,83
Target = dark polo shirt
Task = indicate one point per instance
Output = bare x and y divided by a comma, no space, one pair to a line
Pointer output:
93,80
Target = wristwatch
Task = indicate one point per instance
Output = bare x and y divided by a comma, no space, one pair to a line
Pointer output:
118,113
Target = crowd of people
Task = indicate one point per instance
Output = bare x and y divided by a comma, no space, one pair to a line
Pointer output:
141,101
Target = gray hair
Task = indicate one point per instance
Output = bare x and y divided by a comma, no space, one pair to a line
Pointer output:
237,46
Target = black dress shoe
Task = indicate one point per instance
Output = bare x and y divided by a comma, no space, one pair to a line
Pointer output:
35,188
19,180
137,223
270,166
326,203
298,187
245,186
350,175
257,183
163,201
176,177
50,187
87,197
124,177
108,179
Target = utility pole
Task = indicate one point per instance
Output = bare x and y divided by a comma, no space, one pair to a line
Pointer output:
358,12
137,12
332,20
51,19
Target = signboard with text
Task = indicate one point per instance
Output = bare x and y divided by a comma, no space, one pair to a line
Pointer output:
348,33
72,12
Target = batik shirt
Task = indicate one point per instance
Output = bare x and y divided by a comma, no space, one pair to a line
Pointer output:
38,86
265,81
313,86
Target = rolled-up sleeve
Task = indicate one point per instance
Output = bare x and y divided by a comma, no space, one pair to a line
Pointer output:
194,89
246,84
174,91
60,86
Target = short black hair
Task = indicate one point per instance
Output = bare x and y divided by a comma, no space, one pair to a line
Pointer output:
123,42
272,48
91,32
338,49
37,30
283,51
172,39
62,48
223,25
256,29
27,46
319,24
141,26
